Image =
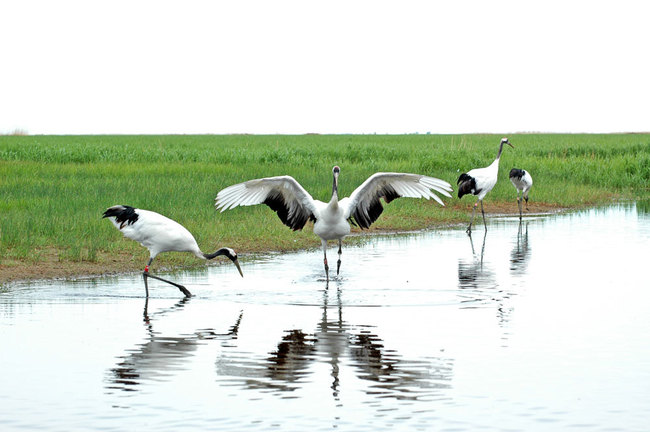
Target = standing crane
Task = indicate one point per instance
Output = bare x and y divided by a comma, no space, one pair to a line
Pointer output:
159,234
295,206
522,181
479,182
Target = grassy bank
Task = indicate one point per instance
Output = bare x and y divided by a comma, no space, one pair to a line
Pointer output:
55,188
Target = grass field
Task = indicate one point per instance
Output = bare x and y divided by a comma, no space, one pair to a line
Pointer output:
55,188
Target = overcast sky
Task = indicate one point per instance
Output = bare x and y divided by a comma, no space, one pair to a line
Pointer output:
293,67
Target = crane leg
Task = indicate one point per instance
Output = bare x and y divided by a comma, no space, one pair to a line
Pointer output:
146,284
146,275
526,198
483,213
338,263
179,286
519,205
471,221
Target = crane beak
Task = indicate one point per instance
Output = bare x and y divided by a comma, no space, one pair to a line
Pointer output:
510,144
236,262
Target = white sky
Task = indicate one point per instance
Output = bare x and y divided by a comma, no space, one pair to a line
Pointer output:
273,66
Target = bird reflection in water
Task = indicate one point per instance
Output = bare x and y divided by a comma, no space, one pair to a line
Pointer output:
160,356
339,344
479,286
520,254
473,274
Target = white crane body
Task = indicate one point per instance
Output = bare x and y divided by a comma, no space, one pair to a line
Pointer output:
160,234
331,220
522,181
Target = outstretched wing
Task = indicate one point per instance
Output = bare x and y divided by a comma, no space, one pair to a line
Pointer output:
283,194
364,206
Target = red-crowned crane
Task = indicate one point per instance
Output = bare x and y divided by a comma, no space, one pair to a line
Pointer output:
295,206
479,182
522,181
159,234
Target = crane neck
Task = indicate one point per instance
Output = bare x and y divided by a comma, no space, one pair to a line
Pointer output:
335,190
223,251
334,201
500,150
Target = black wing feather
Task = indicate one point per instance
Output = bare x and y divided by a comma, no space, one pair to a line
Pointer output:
364,218
277,203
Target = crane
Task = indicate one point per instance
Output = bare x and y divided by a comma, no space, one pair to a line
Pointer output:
295,206
522,181
479,182
159,234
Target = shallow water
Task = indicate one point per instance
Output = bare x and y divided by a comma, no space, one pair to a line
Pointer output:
536,326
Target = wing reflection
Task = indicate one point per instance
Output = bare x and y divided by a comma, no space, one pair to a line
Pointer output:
520,254
161,356
339,344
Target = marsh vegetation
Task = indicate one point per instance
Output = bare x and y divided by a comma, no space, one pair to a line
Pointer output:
55,188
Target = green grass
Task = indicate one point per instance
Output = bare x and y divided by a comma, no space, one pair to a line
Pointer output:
55,188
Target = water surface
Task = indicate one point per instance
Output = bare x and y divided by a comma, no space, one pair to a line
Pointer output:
541,325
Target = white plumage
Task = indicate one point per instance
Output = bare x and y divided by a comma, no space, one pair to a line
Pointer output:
295,206
160,234
522,181
479,182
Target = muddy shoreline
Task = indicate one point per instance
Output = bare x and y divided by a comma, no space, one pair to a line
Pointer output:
52,267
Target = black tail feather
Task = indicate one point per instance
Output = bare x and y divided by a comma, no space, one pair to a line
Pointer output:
466,185
517,173
123,214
